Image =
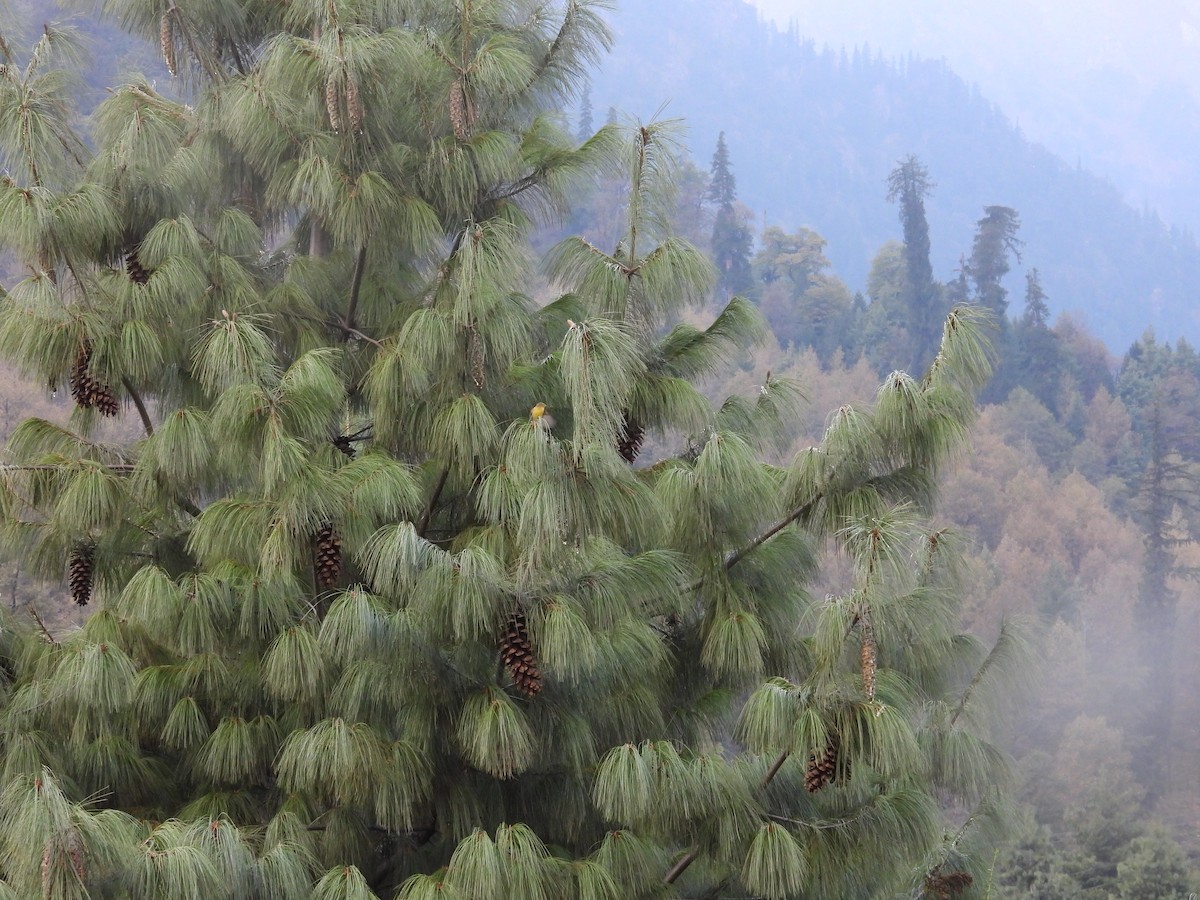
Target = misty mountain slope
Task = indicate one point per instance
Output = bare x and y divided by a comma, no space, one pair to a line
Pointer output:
813,134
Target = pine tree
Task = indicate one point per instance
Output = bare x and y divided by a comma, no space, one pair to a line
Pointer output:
995,239
382,608
909,184
730,234
1036,362
585,115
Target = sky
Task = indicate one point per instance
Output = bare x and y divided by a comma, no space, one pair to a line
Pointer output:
1110,84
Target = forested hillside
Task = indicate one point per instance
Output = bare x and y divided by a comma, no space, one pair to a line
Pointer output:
815,131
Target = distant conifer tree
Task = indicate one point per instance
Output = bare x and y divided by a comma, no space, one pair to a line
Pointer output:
585,129
909,184
731,242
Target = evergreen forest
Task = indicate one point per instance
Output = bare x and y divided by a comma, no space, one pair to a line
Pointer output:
421,483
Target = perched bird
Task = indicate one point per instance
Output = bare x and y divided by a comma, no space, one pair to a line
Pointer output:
539,418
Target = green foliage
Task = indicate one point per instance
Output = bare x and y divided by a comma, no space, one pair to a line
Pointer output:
1155,866
390,601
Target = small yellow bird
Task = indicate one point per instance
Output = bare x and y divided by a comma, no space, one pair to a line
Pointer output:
539,418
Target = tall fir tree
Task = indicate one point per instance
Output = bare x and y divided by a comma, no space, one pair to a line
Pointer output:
382,605
909,185
1036,361
995,239
731,242
586,127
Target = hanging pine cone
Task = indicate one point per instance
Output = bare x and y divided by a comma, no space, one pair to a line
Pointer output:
629,444
868,654
87,391
333,105
516,653
80,571
133,266
476,357
328,556
462,115
822,767
947,886
354,105
166,40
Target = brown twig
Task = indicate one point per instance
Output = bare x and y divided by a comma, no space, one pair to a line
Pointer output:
680,867
360,264
355,333
50,639
143,413
437,492
775,767
50,467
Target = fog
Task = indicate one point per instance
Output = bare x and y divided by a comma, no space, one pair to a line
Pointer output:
1112,85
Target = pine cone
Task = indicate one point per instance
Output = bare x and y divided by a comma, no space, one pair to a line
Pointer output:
75,850
822,767
166,40
460,110
947,886
333,105
868,655
476,356
629,444
87,391
133,266
328,556
80,571
516,652
354,105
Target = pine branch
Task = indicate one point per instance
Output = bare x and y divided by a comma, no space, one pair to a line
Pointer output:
143,413
437,492
360,263
738,555
49,638
681,866
980,673
355,333
512,189
775,767
692,855
52,467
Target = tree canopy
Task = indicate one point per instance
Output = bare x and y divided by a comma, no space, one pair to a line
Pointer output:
391,596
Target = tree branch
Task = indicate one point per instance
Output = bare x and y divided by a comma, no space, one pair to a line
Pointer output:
50,639
437,492
360,263
692,855
799,512
680,867
775,767
141,406
355,333
52,467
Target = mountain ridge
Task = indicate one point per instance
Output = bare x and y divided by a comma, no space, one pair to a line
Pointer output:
813,134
